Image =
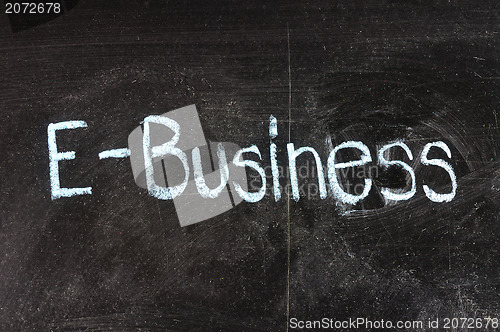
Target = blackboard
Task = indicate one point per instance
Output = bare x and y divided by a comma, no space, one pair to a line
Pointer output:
329,72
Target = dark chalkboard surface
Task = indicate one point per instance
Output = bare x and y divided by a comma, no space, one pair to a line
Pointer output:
329,72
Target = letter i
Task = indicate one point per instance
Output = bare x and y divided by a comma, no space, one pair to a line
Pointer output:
273,132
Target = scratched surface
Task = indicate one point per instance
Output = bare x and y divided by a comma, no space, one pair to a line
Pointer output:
348,70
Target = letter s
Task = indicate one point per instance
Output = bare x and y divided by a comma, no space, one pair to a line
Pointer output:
431,194
256,196
386,163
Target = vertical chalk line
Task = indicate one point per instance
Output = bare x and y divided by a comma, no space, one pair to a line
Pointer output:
288,191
